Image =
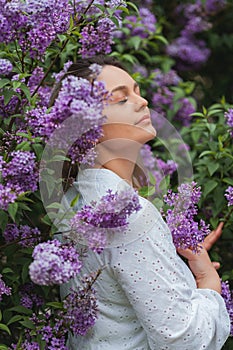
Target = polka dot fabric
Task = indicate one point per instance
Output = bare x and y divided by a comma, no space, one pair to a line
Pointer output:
147,296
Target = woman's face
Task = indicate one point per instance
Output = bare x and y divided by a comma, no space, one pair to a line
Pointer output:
128,115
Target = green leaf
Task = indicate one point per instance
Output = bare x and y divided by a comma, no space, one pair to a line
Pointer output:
14,319
3,347
7,95
212,167
12,210
27,323
3,219
4,327
228,180
74,200
4,82
209,187
55,304
26,91
21,309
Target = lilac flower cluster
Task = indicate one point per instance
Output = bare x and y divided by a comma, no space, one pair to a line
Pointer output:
228,298
186,232
54,263
80,308
156,166
51,338
95,40
80,102
3,288
185,111
19,175
28,297
34,25
189,51
165,79
142,25
24,235
214,6
5,66
163,98
229,119
95,221
229,195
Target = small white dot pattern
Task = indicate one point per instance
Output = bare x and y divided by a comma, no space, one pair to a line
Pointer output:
147,296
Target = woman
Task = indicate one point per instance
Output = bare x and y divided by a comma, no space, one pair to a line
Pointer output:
147,296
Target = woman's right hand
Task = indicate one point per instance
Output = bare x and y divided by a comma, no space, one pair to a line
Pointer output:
202,268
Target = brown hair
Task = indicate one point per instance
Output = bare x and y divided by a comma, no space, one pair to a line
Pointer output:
81,69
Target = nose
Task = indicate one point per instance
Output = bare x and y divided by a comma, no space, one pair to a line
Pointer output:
140,103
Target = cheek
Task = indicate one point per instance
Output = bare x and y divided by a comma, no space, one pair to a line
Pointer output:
119,114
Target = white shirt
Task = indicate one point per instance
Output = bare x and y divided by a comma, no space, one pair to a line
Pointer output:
147,296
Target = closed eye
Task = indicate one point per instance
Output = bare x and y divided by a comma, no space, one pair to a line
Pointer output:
123,101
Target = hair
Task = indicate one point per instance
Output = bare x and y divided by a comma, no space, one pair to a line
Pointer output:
81,69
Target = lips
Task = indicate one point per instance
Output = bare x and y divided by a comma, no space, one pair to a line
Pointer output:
144,118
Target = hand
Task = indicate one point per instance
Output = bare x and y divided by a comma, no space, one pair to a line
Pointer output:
203,269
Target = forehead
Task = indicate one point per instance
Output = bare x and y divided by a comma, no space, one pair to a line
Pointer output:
114,76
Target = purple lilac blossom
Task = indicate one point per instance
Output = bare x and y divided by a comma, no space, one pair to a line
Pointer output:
28,297
3,288
148,158
33,24
163,97
54,263
156,166
188,52
142,70
5,66
44,92
142,25
165,79
229,119
25,235
58,76
7,196
168,167
95,221
229,195
81,102
228,298
180,217
20,173
185,111
51,338
214,6
80,308
95,40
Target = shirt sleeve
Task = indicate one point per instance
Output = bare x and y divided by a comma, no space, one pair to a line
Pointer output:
162,291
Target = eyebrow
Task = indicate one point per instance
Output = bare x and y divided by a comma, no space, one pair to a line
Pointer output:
124,87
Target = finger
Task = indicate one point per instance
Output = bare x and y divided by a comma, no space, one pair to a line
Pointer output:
216,265
212,238
186,253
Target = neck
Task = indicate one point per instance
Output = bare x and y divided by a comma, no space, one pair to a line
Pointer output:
121,160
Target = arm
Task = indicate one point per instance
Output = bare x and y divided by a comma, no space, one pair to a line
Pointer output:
162,291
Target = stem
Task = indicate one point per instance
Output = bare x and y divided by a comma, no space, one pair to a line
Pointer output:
227,216
50,67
